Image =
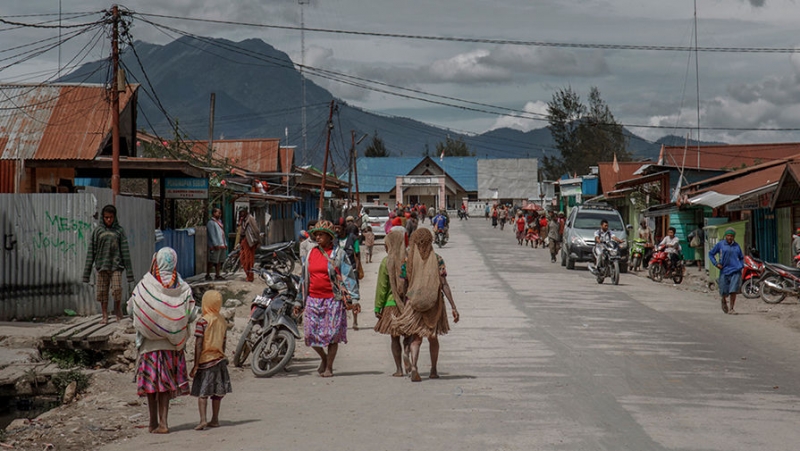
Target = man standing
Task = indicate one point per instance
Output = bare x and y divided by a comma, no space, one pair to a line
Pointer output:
251,238
109,253
553,236
216,244
696,242
796,245
730,265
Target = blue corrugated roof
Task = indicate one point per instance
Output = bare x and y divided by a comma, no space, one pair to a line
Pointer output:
378,175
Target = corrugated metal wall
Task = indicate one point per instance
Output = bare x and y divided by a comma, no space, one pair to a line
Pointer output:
183,242
41,274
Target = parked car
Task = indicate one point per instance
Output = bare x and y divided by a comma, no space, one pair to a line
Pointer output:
378,215
583,221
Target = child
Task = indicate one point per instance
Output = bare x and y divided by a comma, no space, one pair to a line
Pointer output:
530,235
210,370
369,241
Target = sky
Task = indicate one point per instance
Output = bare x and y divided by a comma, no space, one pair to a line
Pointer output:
744,96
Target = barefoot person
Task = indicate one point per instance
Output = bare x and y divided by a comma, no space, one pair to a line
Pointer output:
210,370
329,280
426,276
162,308
108,252
730,266
389,294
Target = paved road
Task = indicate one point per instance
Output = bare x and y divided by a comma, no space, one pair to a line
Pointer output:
544,358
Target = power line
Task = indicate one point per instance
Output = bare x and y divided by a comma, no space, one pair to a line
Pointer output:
489,41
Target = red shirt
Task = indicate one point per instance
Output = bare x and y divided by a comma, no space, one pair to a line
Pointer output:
319,282
521,224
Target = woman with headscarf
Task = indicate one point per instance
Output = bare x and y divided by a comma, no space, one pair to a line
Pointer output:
426,280
162,308
329,283
210,370
390,294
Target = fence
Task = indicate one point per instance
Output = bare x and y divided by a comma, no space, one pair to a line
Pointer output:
45,239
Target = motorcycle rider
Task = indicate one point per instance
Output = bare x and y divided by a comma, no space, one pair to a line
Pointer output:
442,222
672,246
603,235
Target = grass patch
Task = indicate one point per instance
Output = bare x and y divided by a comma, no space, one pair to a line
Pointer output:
73,358
64,378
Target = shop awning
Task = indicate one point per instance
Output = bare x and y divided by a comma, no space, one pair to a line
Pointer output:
713,199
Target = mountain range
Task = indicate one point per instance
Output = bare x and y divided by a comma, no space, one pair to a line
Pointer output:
258,95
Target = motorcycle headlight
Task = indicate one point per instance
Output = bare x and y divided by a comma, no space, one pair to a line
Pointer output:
612,252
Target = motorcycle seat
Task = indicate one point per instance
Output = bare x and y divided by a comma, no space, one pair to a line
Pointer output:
271,247
790,269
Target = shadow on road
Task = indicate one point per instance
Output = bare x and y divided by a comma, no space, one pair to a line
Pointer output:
222,425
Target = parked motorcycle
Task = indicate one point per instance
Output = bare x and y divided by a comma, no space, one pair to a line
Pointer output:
609,263
279,257
271,331
637,254
779,281
751,275
660,267
440,238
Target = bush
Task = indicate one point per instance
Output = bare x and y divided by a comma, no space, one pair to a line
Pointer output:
64,378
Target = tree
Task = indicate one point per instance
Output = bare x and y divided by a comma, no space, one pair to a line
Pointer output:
584,135
376,148
453,148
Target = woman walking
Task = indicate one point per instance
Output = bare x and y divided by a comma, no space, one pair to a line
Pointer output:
390,294
520,223
251,238
425,315
162,308
329,285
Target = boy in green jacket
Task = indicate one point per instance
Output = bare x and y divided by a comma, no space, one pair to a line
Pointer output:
109,253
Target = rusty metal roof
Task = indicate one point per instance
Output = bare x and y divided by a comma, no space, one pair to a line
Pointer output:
54,122
609,177
251,155
730,156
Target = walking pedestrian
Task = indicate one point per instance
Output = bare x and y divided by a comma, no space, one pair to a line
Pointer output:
250,239
108,252
369,243
412,223
696,239
730,264
349,243
553,237
796,245
426,281
494,216
390,295
162,307
329,283
216,244
520,228
210,370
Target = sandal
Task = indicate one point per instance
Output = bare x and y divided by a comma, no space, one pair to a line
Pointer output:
724,305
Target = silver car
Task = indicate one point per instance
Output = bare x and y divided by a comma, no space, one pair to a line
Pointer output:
578,242
378,215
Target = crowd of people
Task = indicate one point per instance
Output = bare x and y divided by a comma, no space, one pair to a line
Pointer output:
533,227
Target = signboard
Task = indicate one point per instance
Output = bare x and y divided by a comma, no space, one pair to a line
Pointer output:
424,181
185,188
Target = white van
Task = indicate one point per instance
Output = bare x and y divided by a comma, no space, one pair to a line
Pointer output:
378,215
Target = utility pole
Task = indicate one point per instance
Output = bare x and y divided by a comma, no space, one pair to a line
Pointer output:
115,103
350,171
211,127
304,158
325,163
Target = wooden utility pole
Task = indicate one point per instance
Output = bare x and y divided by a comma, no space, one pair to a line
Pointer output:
115,103
355,169
325,164
211,127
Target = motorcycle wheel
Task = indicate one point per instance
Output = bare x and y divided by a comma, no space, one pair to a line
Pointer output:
268,362
635,262
656,272
243,347
231,265
769,295
563,258
615,274
750,288
282,263
440,242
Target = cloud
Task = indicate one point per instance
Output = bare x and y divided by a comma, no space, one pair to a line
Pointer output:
757,3
493,66
536,108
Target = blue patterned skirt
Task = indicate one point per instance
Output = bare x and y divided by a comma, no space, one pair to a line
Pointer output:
324,322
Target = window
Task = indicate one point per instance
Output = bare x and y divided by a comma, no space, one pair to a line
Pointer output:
591,220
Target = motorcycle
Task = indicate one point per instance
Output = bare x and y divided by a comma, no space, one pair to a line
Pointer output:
751,275
440,238
779,281
279,257
271,332
660,267
609,263
637,254
462,214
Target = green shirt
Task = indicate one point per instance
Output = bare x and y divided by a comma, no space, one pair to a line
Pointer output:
383,289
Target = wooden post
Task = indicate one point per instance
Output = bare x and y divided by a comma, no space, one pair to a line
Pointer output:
325,164
115,103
